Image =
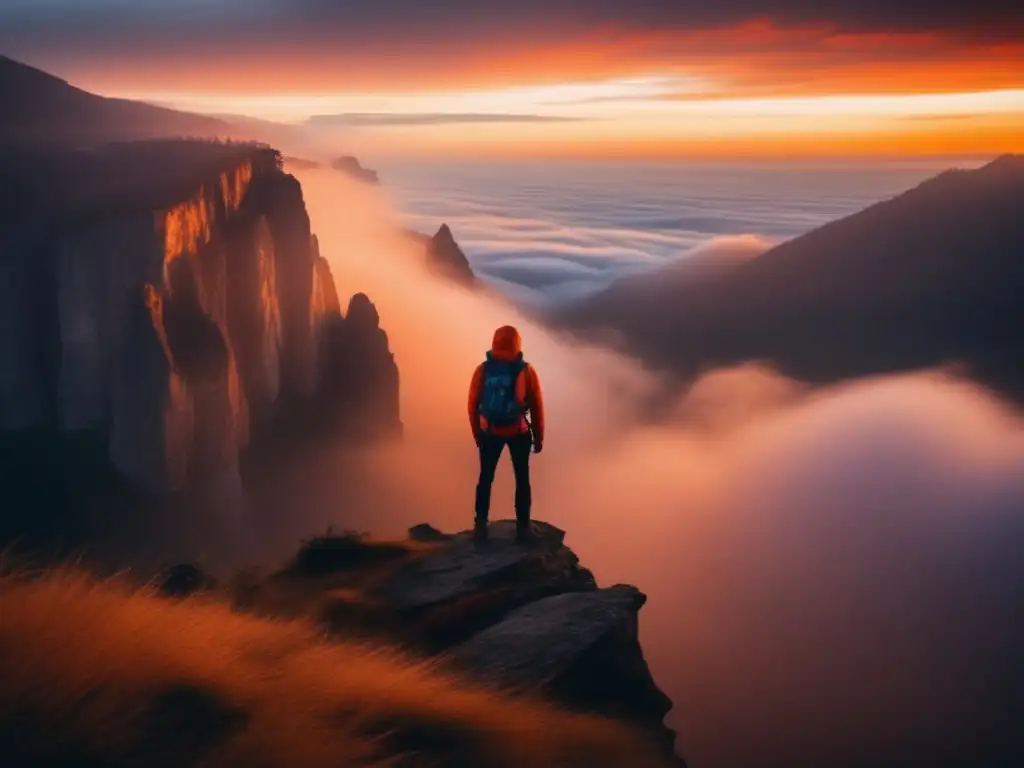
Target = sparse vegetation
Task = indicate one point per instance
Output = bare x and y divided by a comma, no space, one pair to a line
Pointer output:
101,673
148,175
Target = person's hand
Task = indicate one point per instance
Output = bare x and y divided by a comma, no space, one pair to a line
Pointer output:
477,437
538,446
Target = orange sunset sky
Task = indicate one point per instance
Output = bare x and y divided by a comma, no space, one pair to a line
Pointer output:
561,77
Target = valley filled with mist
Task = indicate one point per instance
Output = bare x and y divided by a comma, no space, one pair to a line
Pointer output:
832,571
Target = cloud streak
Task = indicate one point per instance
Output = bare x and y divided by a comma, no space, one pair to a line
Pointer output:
437,118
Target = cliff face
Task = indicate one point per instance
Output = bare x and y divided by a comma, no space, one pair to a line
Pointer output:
173,319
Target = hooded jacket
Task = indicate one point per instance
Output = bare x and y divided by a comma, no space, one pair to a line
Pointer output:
507,345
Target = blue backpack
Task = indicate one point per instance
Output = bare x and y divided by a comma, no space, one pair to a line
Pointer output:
498,399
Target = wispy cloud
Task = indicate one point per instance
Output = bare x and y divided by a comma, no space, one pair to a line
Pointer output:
950,116
435,118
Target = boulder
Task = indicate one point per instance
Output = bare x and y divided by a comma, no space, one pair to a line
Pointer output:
427,532
579,648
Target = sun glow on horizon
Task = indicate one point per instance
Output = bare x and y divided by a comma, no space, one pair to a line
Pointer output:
749,86
650,115
563,99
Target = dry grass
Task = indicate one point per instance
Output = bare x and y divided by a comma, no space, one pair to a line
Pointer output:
99,674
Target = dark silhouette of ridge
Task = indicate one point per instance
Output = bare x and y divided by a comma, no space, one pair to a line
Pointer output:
40,109
932,276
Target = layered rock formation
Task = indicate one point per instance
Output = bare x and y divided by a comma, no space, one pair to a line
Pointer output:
164,303
522,619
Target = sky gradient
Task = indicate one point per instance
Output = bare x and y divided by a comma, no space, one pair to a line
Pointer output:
561,77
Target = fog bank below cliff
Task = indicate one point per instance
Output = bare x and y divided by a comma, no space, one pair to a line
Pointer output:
833,575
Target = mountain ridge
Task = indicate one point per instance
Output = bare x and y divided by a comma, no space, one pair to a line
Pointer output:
45,110
928,277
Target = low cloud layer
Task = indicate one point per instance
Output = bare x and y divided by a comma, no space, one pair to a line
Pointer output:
834,575
546,233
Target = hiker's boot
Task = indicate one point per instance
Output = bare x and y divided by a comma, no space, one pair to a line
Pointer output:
480,532
524,535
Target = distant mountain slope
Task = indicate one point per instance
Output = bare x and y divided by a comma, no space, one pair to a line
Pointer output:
661,285
39,108
933,275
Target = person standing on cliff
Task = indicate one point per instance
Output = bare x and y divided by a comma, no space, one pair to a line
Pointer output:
503,391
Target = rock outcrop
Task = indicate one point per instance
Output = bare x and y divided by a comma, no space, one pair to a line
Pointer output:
164,305
351,167
523,619
444,257
581,648
359,376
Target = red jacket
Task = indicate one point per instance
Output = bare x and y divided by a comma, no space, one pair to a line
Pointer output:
507,345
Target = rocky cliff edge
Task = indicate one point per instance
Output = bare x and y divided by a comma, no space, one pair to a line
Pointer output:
519,619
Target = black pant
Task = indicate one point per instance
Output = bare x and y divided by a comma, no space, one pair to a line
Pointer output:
491,447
